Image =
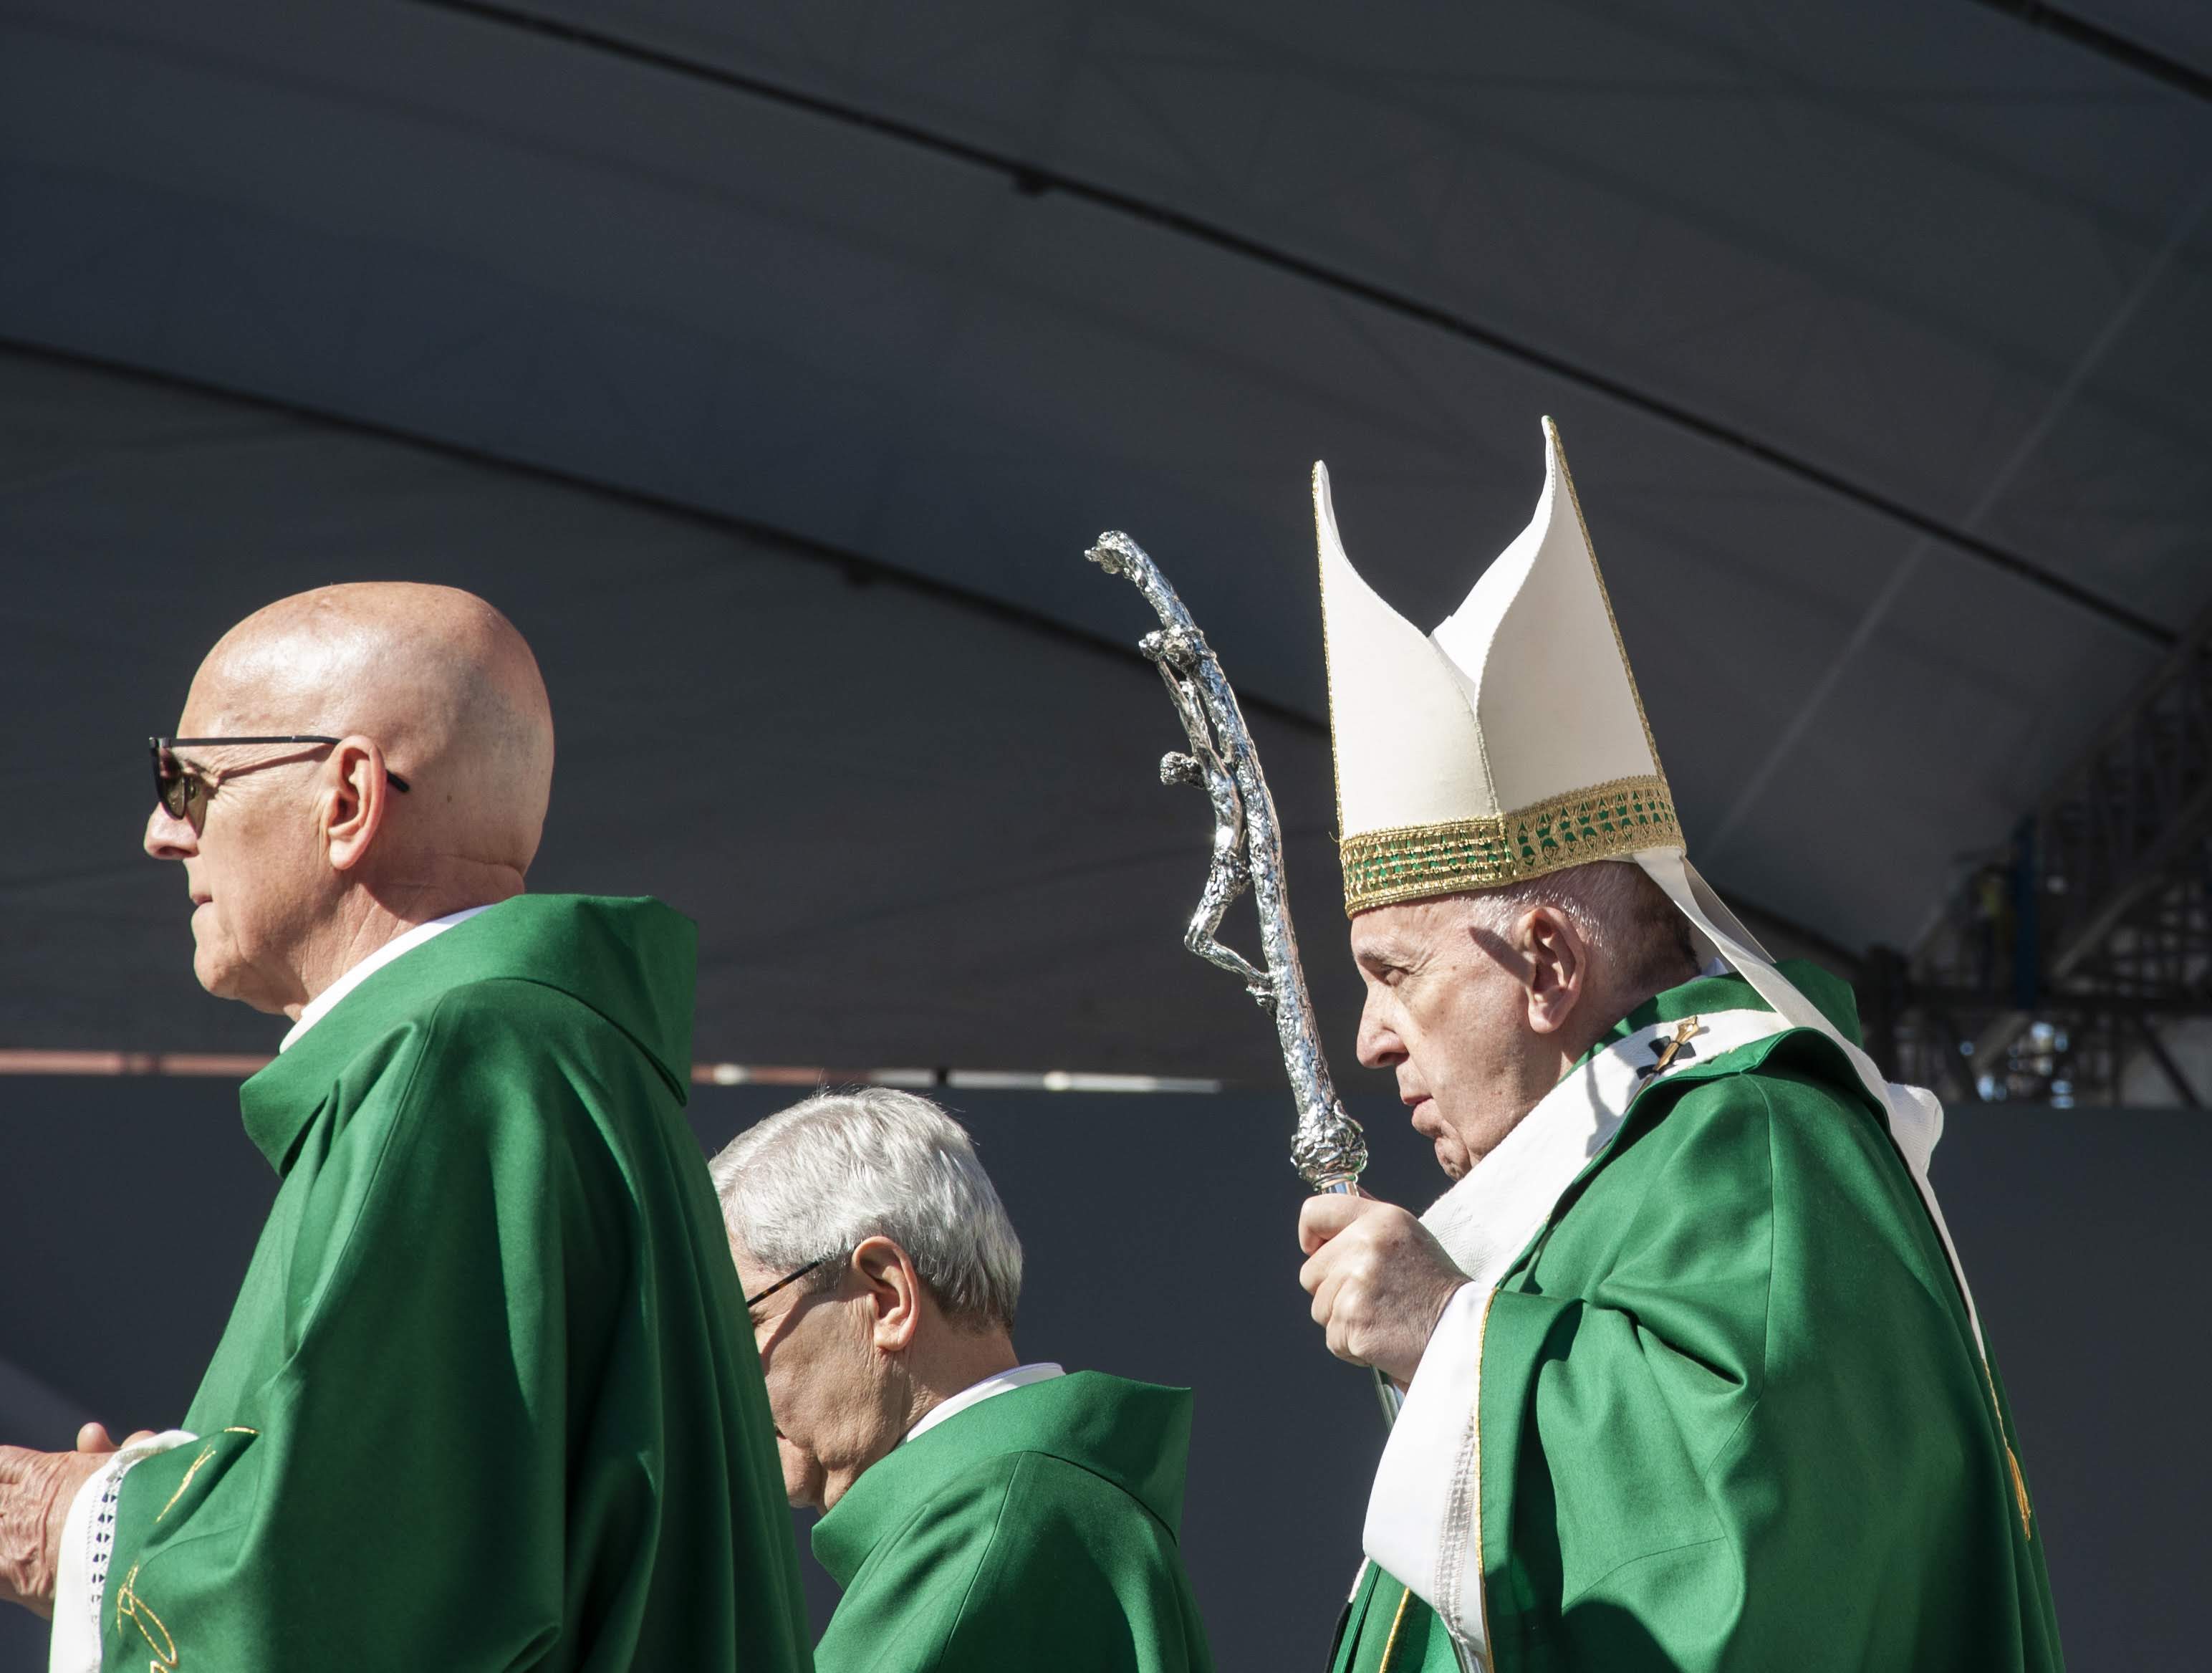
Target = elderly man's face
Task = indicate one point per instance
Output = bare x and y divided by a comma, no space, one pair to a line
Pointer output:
1448,1009
255,872
828,1386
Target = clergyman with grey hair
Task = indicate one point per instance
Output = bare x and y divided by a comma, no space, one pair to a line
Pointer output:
979,1513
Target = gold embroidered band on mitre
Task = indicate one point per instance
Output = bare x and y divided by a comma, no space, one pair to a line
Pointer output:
1605,822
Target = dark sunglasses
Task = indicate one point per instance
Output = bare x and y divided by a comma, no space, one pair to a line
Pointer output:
185,789
752,1301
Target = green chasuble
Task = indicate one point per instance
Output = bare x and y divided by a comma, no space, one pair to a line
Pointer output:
1719,1406
1035,1530
487,1401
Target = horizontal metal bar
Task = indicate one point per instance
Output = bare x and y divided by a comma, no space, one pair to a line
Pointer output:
237,1066
1967,1002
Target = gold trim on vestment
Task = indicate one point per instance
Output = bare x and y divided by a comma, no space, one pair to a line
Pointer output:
129,1607
1390,1644
2012,1459
1607,821
193,1470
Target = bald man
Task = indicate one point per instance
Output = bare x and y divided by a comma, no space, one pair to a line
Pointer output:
485,1400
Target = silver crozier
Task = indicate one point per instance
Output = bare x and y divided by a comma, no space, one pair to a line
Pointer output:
1327,1148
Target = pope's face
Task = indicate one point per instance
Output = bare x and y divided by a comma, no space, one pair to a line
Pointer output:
827,1388
254,870
1447,1011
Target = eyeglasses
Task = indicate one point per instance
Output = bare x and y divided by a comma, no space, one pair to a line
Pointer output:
752,1301
186,788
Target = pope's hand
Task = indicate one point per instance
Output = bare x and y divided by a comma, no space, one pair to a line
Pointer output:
35,1491
1378,1279
93,1438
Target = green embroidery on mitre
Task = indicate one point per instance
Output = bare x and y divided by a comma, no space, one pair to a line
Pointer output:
1605,822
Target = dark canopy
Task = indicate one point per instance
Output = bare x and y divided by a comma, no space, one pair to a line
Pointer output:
772,368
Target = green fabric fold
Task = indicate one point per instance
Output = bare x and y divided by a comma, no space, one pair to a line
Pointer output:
1731,1412
485,1400
1035,1528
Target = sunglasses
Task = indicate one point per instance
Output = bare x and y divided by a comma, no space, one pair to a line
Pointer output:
186,788
789,1278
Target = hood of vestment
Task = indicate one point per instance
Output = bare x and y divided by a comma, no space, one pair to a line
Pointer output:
1711,1026
1730,992
1134,1435
634,961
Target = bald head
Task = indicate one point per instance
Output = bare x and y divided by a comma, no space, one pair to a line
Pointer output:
437,677
305,859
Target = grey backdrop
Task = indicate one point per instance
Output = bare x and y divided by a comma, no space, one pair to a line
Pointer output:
292,292
1954,260
127,1209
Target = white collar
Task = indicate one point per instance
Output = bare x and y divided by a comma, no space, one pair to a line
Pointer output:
1486,1219
323,1003
976,1393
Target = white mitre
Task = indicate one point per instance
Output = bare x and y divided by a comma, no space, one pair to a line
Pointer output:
1511,742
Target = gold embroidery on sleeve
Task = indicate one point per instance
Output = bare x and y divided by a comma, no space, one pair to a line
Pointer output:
240,1429
130,1608
206,1452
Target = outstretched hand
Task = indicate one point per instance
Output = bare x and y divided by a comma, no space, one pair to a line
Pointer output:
36,1489
1378,1278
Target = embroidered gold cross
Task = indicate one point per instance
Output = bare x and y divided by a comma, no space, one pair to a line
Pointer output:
1679,1045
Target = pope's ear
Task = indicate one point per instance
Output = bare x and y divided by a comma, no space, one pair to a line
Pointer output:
356,794
1557,969
894,1290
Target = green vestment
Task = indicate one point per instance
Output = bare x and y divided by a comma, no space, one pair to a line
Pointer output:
1729,1411
486,1401
1035,1530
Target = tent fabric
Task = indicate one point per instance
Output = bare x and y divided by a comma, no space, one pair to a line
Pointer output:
1927,250
914,834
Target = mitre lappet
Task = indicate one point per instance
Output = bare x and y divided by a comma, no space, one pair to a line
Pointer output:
1511,742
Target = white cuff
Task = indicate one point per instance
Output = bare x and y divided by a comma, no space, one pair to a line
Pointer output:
87,1542
1425,1515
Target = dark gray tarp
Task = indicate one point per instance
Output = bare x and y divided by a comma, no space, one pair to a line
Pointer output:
1926,252
913,831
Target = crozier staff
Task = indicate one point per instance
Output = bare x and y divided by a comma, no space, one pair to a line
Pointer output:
1694,1380
483,1402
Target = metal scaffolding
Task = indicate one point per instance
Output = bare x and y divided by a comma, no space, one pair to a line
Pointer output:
2064,957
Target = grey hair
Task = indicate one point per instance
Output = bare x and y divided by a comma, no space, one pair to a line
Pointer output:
814,1182
1620,912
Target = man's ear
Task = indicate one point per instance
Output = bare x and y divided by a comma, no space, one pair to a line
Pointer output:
356,794
1555,971
894,1291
